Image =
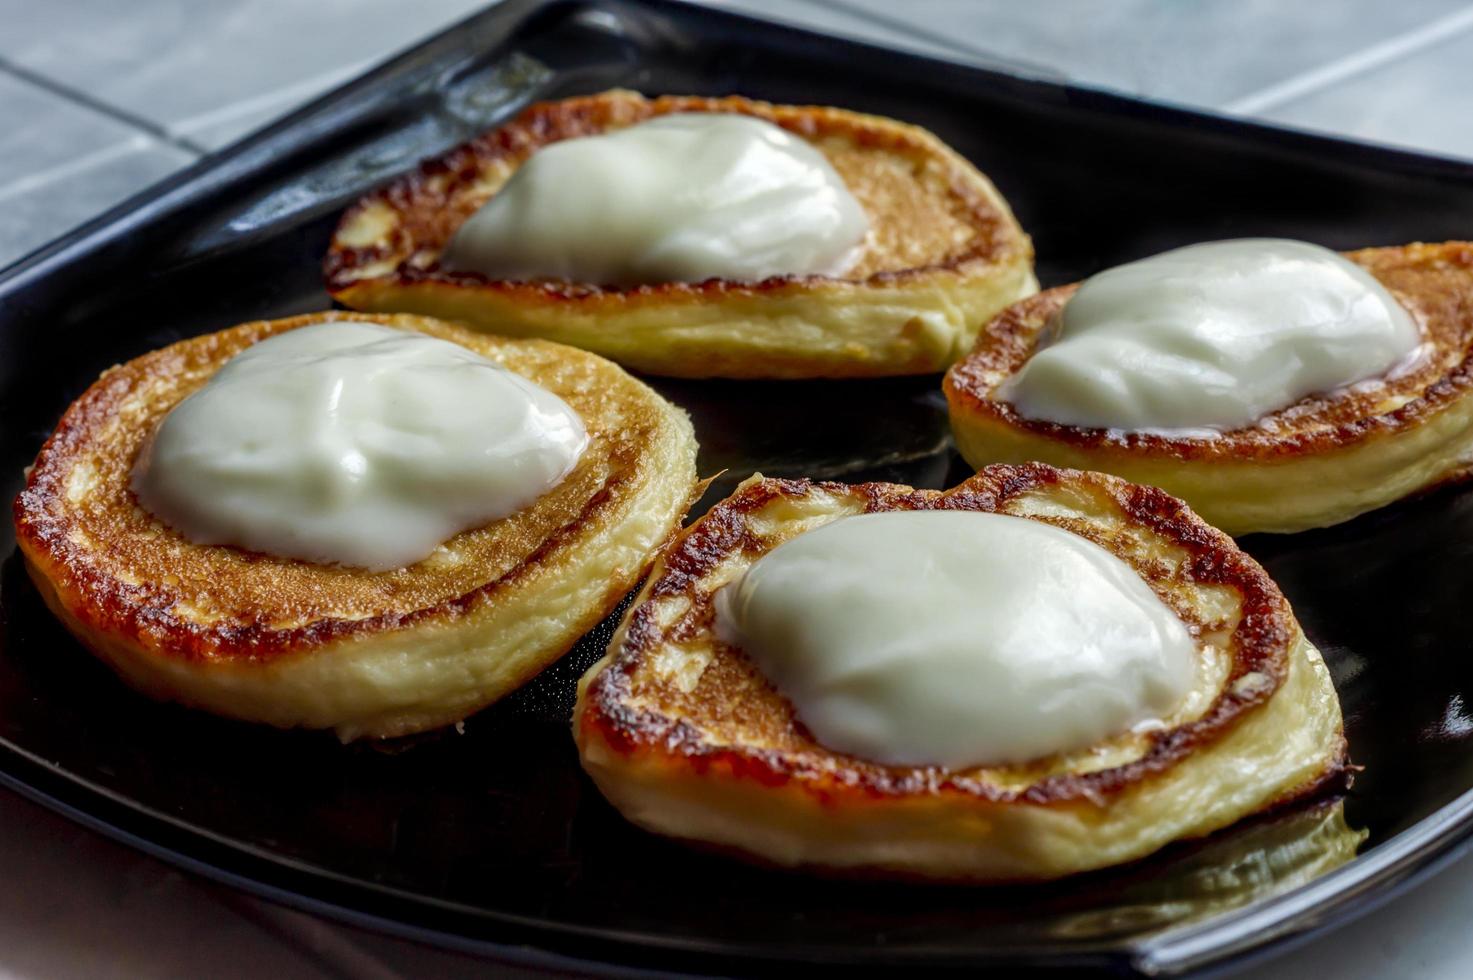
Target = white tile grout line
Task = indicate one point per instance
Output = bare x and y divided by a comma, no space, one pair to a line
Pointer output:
35,181
294,93
1351,65
79,97
981,55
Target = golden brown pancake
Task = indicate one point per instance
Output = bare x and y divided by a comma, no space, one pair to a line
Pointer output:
685,735
368,654
944,254
1318,462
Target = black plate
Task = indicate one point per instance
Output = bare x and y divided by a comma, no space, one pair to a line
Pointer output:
493,840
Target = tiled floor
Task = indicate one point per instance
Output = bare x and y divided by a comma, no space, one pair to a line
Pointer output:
98,99
62,162
1424,100
1207,53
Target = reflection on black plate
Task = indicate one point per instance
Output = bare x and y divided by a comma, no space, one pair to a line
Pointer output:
494,836
1255,860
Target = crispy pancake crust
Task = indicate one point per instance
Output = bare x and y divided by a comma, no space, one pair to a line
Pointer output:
366,653
683,733
944,253
1317,462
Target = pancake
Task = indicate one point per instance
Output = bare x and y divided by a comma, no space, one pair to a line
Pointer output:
292,643
687,738
944,253
1318,462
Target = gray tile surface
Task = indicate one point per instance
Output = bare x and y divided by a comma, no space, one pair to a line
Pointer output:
1426,103
189,65
877,27
62,163
1198,52
75,905
226,123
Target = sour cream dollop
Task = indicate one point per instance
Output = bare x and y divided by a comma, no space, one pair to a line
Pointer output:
1212,337
355,444
678,198
956,638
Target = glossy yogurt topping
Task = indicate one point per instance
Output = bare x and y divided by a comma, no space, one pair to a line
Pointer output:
956,638
355,444
679,198
1212,337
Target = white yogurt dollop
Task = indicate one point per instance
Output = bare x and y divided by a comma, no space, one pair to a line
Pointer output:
956,639
1212,337
679,198
355,444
